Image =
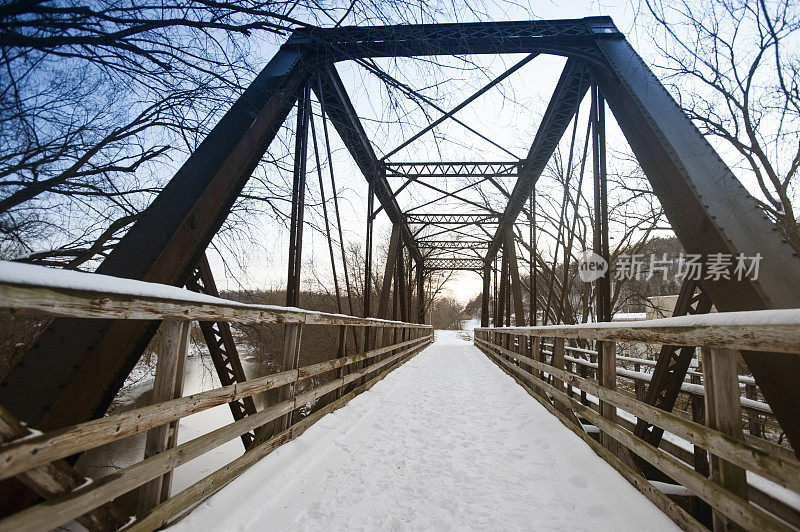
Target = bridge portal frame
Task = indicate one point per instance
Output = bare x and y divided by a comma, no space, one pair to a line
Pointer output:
708,208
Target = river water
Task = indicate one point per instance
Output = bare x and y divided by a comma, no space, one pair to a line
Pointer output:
199,376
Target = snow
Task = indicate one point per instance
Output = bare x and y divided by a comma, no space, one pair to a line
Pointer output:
447,441
716,319
16,273
671,489
629,316
32,275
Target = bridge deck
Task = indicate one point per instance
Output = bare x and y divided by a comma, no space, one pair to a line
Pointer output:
447,441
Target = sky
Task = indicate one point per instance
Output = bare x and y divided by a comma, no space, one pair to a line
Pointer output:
508,114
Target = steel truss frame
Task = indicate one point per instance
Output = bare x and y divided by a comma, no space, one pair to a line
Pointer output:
414,170
706,205
454,264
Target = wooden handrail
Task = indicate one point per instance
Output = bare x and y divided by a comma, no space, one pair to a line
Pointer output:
780,470
732,453
48,301
748,515
763,330
26,453
36,291
65,508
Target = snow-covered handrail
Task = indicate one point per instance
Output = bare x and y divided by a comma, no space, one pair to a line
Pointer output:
521,352
762,330
38,291
43,292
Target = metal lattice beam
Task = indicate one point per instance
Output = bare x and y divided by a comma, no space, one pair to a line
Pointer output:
561,37
416,170
452,219
569,92
455,264
331,91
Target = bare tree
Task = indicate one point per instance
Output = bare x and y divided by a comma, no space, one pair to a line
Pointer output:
101,102
734,67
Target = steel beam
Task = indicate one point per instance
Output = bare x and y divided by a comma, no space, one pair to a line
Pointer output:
561,37
368,254
515,285
456,264
416,170
709,210
452,219
532,258
451,113
221,346
452,244
401,295
330,90
672,362
298,202
502,291
486,274
420,292
388,274
602,284
569,92
77,366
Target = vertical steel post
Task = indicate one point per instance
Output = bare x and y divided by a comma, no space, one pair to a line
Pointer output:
388,274
515,284
420,292
532,265
293,331
298,201
368,257
487,280
400,294
501,293
603,286
494,294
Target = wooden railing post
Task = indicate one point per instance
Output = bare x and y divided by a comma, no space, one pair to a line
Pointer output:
699,416
525,350
168,385
292,338
342,352
753,418
724,413
557,362
607,378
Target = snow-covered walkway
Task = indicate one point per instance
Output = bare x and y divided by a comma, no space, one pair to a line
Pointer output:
447,441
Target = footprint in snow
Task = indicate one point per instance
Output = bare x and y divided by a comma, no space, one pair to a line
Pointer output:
578,482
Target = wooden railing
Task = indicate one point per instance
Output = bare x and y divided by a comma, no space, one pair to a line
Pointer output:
39,459
707,456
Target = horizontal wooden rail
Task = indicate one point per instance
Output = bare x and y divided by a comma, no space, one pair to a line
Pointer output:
780,470
29,452
731,452
66,508
738,509
772,330
744,379
31,300
35,291
686,387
